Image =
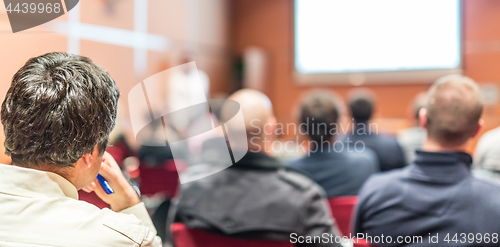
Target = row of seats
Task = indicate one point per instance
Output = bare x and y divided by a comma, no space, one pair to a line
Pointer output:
341,207
185,237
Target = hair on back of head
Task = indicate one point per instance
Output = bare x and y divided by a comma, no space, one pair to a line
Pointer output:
361,104
454,107
319,114
58,108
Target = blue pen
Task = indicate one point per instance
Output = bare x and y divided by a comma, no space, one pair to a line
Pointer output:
104,184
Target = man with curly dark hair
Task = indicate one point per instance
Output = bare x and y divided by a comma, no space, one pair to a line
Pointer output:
57,116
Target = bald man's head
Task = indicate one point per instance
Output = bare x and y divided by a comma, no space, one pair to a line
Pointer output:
257,111
454,107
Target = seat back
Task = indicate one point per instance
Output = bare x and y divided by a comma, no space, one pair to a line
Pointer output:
92,198
185,237
359,242
342,210
162,179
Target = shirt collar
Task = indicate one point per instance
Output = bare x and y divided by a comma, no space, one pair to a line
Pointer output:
443,166
28,182
257,161
327,149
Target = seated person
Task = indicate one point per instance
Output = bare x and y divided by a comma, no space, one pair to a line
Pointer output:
436,196
487,156
57,116
413,138
389,152
257,197
341,172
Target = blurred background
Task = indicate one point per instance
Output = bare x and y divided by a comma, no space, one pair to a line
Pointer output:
237,43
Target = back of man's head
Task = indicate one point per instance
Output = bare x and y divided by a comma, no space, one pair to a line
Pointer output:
256,108
319,115
454,108
58,108
361,104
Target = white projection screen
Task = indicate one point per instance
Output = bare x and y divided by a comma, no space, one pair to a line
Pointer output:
376,42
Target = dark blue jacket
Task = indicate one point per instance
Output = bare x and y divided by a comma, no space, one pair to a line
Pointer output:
435,195
387,148
339,173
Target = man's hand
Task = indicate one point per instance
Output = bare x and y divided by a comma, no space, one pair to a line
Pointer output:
124,196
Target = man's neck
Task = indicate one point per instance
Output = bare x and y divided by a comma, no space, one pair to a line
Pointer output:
65,173
433,146
361,123
261,146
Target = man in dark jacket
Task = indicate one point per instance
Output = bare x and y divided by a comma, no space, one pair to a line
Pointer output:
435,201
257,197
365,133
339,169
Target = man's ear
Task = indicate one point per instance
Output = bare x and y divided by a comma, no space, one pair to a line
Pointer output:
480,125
87,159
270,125
422,116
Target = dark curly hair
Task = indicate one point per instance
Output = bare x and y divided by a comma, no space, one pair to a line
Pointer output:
58,108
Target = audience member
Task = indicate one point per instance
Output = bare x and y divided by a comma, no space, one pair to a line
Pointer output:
57,116
339,170
389,153
487,156
436,196
257,197
413,138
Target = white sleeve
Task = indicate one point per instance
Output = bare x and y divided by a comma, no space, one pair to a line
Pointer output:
140,211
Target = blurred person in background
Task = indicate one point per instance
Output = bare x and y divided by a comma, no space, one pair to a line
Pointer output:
389,152
436,195
183,86
155,158
487,156
339,170
57,116
413,138
257,197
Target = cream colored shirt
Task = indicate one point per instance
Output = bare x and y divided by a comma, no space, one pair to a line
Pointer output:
42,209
